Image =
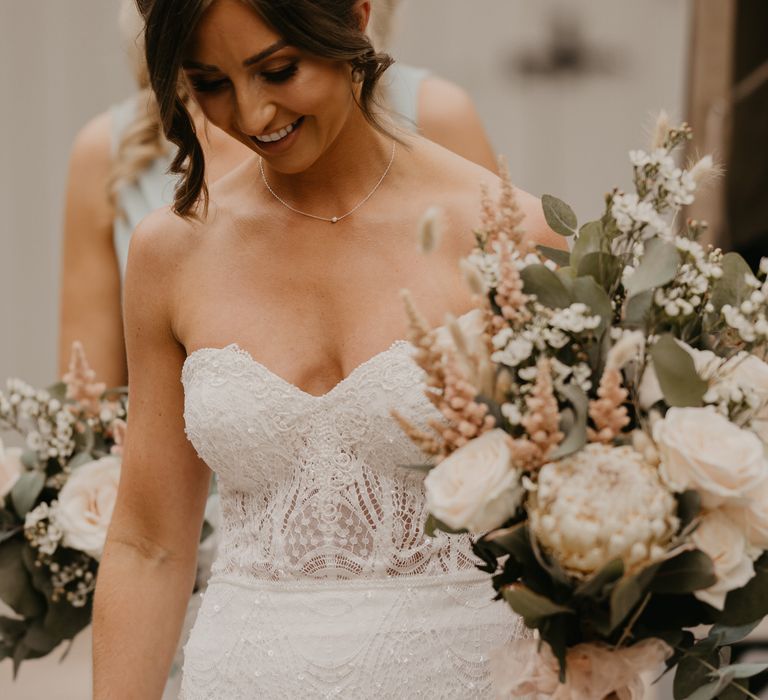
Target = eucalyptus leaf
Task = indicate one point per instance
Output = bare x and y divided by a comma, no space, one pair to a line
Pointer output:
80,459
742,670
58,391
576,437
595,587
26,491
559,215
628,592
591,239
750,602
556,255
587,291
658,266
30,458
638,309
724,635
692,674
433,525
532,606
678,379
604,268
688,507
513,540
16,588
732,287
546,285
685,573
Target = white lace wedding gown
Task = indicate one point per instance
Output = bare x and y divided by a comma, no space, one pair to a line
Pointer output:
325,584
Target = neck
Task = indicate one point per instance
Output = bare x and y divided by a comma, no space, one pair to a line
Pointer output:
345,173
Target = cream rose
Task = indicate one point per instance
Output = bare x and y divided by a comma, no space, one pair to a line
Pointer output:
724,542
85,505
702,450
476,488
752,518
11,468
752,373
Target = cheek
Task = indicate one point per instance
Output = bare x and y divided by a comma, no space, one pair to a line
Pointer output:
216,109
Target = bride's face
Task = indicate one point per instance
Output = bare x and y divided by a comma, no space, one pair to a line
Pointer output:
281,102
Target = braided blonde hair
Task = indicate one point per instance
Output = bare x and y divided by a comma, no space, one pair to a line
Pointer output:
143,141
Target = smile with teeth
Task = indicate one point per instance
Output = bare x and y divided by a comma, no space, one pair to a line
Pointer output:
277,135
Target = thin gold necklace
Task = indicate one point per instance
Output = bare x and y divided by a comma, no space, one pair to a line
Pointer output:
331,219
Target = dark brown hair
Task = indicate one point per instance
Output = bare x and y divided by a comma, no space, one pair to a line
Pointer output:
325,28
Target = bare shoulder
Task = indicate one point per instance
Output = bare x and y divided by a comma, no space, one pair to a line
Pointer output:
448,116
462,181
93,143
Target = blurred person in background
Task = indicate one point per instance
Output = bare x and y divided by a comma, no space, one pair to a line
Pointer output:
118,174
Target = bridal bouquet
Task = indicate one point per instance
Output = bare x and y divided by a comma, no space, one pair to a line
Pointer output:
603,436
57,494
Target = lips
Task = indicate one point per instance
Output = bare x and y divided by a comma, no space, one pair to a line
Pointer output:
278,135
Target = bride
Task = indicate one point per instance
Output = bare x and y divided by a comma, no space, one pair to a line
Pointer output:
262,324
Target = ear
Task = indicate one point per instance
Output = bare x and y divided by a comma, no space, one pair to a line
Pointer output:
363,12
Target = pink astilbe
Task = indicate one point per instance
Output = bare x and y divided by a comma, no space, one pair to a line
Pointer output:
82,386
608,412
447,389
542,421
502,220
509,295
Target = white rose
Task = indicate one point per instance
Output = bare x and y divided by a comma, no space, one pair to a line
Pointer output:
476,488
752,518
752,373
86,503
11,468
702,450
722,540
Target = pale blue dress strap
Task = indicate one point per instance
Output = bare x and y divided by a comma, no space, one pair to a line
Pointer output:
152,190
401,89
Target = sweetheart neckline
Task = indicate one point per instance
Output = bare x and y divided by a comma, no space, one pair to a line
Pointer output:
238,349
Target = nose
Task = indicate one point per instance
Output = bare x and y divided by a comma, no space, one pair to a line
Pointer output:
254,110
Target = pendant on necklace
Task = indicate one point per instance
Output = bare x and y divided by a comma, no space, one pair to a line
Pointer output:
334,219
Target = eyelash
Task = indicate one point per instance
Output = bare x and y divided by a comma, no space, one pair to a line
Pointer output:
275,77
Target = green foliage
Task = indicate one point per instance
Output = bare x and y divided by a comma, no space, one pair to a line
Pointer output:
591,239
685,573
658,267
433,525
679,381
16,588
532,607
556,255
603,267
26,491
587,291
637,310
750,602
732,287
576,434
559,215
546,285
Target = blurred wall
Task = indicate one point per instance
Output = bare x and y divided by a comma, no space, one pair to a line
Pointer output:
564,121
60,64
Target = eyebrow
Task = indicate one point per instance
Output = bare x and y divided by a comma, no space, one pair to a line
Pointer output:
256,58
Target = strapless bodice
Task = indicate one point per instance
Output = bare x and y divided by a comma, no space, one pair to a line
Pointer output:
316,487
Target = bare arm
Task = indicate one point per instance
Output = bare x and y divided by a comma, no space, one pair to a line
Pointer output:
90,280
448,116
147,571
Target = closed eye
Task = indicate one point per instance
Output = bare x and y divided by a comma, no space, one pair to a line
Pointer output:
200,85
282,75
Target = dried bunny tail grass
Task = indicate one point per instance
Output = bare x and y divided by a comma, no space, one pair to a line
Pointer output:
608,412
82,386
660,130
542,421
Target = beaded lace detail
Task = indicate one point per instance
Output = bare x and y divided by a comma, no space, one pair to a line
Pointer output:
323,527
